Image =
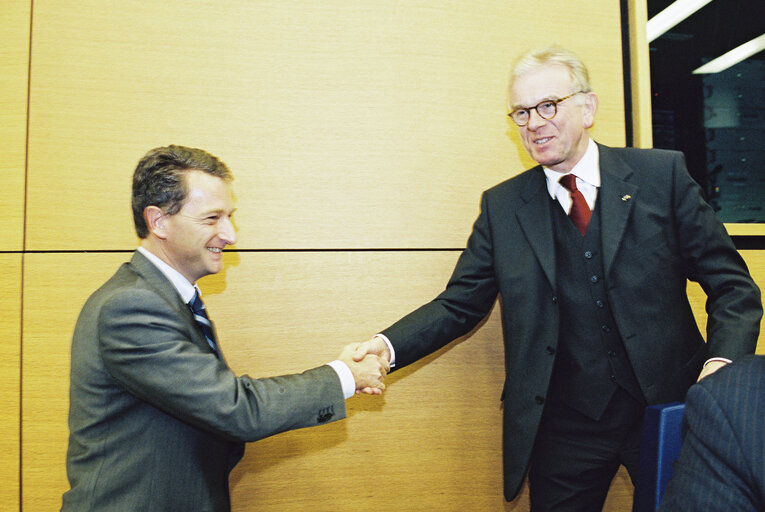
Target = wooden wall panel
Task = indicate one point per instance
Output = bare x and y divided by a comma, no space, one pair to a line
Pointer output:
305,307
434,437
14,70
640,75
436,429
55,288
373,124
10,379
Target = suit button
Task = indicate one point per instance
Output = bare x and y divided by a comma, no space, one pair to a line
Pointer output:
599,303
325,414
605,328
613,378
554,299
588,255
550,350
594,279
539,399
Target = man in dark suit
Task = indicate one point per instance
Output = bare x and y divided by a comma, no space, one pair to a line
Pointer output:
722,461
157,419
596,318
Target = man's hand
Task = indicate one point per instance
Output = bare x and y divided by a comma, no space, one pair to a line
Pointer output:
368,371
376,347
710,368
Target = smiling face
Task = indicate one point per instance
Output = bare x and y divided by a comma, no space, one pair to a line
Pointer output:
192,240
557,143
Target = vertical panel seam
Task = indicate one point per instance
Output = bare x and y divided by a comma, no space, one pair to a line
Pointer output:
627,73
23,259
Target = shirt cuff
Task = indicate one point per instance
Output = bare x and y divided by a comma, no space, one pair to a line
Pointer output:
390,348
346,378
719,359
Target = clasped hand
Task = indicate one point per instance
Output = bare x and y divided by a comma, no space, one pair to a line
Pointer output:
369,365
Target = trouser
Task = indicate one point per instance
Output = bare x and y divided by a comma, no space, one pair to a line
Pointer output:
575,457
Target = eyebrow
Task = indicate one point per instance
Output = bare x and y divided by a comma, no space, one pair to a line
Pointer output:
216,211
552,97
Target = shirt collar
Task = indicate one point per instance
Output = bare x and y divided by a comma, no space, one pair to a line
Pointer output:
185,289
586,169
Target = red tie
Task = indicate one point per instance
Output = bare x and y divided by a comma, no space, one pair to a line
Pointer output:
580,213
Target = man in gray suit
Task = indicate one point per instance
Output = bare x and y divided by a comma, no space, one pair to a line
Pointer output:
590,253
157,419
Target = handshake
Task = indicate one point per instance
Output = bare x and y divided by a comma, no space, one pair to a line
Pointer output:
369,363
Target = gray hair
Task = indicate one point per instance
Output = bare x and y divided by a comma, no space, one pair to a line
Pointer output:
534,59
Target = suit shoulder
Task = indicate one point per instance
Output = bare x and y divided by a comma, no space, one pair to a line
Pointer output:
116,282
643,155
752,362
744,379
126,287
514,185
739,370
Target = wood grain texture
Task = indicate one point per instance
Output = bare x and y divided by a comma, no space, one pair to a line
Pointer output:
434,437
10,379
746,229
346,124
55,288
14,70
369,125
640,75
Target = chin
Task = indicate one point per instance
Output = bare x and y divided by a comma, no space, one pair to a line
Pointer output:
547,162
213,269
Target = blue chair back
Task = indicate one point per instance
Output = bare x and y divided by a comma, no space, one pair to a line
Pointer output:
659,448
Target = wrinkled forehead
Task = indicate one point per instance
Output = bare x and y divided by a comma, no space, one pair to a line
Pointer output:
550,81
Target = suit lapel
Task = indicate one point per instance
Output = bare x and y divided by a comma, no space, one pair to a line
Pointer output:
152,275
617,197
536,223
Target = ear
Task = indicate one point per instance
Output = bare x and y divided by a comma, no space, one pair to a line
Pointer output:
156,221
590,108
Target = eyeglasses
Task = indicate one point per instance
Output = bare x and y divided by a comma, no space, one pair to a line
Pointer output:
546,110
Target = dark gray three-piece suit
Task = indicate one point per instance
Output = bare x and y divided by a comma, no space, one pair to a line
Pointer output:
157,420
656,232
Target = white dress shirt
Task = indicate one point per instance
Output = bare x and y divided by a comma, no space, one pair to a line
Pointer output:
587,172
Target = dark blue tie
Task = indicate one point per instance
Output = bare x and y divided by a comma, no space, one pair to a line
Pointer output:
200,315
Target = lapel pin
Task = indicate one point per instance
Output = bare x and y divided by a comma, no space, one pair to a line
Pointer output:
626,197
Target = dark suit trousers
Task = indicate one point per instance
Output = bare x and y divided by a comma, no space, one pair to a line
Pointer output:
576,457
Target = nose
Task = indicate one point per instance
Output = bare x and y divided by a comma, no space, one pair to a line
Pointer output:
227,231
535,120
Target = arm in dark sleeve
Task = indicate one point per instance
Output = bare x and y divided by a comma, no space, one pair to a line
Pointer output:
733,306
467,299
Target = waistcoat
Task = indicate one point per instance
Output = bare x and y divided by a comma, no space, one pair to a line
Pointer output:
590,361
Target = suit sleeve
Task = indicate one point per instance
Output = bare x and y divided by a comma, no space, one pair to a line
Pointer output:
467,299
733,306
145,346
